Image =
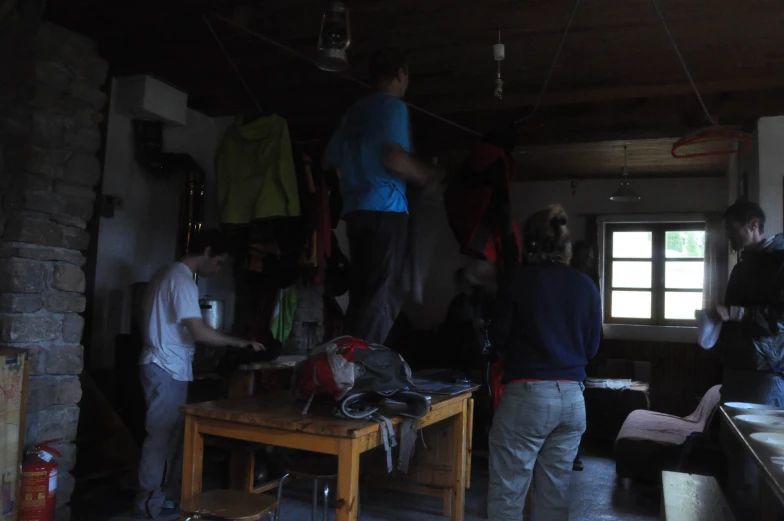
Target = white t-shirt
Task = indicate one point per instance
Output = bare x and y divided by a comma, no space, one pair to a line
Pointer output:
171,298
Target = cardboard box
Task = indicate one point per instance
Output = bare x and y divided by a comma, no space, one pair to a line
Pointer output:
13,407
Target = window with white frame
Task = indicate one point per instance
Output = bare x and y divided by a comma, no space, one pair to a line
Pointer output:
653,273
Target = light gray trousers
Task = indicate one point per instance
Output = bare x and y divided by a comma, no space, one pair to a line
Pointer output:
160,468
536,433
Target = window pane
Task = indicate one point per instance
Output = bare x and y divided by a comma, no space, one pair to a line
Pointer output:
684,275
631,274
685,244
632,245
631,304
680,305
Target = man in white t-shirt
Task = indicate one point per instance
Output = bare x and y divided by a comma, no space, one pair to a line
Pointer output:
172,324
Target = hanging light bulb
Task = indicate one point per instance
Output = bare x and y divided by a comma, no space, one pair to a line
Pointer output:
334,38
498,54
625,194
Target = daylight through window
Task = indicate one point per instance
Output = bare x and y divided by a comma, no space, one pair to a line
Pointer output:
654,273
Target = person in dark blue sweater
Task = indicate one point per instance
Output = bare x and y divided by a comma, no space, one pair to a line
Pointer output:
547,325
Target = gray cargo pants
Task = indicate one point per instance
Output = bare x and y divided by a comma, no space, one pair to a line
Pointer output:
161,463
536,433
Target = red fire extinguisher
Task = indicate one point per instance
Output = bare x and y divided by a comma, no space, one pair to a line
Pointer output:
39,483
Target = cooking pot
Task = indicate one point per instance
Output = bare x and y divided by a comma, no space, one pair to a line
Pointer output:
212,312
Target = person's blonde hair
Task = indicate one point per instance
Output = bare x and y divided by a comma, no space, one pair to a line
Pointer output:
546,236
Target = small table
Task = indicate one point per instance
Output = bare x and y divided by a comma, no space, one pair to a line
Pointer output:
276,419
772,490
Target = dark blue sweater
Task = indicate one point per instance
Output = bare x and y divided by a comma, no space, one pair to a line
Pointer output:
548,323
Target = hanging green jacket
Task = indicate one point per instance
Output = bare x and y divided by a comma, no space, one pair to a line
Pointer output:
255,171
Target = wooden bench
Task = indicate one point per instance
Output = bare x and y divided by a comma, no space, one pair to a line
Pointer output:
690,497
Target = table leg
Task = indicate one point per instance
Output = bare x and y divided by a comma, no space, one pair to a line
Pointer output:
348,480
192,459
459,425
770,506
242,466
469,441
242,469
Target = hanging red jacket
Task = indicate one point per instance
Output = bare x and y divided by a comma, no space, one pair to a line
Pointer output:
478,206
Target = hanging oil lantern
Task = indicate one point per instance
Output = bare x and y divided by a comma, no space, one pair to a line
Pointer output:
334,38
499,53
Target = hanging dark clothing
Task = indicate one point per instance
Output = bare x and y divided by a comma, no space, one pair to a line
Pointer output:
479,209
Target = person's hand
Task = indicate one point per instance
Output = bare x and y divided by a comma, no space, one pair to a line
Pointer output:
242,342
723,313
257,346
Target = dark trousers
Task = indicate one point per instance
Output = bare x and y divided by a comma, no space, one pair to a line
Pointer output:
377,244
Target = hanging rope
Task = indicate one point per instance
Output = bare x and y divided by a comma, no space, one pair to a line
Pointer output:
233,64
682,60
712,134
304,57
552,65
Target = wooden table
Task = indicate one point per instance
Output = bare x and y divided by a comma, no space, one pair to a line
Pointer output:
276,419
772,485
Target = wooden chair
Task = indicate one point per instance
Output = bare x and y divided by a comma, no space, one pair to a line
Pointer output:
228,505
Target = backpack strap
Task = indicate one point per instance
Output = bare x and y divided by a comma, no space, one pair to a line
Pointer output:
411,427
385,435
360,406
408,437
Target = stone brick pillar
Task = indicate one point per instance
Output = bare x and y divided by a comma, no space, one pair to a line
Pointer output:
50,116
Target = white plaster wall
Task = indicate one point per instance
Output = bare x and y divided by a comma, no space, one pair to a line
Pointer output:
200,139
141,237
659,196
770,143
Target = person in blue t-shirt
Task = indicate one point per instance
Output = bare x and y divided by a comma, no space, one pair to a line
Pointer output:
371,150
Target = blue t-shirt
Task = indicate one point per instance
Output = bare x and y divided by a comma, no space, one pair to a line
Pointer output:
357,150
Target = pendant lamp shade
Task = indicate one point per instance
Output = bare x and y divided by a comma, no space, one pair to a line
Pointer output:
625,193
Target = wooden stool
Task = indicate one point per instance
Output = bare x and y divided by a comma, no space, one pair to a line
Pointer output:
322,470
228,505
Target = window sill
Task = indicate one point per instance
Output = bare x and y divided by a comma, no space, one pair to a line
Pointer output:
685,334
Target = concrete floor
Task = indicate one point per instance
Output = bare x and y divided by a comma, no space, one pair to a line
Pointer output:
595,496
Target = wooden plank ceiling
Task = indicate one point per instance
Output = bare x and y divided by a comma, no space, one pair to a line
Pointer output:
618,77
645,158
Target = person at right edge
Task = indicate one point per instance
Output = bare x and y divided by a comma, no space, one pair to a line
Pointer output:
751,342
371,150
548,325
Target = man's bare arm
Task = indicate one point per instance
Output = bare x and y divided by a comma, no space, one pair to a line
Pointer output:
204,334
409,168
